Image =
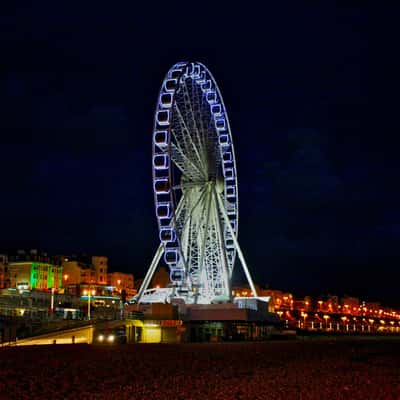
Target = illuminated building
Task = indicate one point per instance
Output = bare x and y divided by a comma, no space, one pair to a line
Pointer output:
371,308
37,304
122,282
302,305
84,269
159,323
3,271
35,275
100,267
239,321
160,278
82,272
242,291
350,305
31,270
332,304
280,300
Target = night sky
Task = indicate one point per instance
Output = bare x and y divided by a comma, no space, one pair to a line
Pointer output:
312,97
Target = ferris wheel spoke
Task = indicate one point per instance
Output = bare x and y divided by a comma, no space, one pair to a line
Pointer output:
201,109
186,223
188,105
197,231
185,164
208,130
194,206
177,148
189,210
188,175
188,137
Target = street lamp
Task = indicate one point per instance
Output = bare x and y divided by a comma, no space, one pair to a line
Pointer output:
304,315
326,317
52,302
88,293
371,321
344,319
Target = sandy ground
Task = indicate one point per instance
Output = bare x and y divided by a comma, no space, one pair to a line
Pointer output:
356,369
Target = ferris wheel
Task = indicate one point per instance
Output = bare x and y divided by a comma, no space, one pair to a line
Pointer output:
195,190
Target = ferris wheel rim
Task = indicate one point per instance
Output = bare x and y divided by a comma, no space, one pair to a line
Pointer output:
164,195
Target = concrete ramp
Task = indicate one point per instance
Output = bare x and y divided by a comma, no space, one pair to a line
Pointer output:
67,336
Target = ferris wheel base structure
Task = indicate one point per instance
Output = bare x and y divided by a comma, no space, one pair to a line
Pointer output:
195,191
172,296
178,294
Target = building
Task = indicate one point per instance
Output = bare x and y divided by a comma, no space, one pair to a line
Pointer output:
39,304
245,319
31,270
84,270
279,299
241,291
83,273
122,282
3,271
160,278
350,305
302,305
100,267
30,275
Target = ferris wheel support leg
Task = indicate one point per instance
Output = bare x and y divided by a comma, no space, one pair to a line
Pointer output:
150,271
236,243
202,270
221,241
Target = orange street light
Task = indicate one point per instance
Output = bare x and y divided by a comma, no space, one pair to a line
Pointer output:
326,318
88,293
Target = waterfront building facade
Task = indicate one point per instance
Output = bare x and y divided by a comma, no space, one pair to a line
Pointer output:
33,270
4,280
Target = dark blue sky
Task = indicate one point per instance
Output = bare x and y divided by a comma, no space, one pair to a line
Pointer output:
312,95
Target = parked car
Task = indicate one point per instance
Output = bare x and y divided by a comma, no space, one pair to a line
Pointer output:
110,336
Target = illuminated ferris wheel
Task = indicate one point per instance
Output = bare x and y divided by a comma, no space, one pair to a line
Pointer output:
195,190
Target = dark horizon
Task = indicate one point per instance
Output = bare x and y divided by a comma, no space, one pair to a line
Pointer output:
311,94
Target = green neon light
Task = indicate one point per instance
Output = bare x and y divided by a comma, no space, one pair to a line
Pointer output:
60,274
33,277
50,276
